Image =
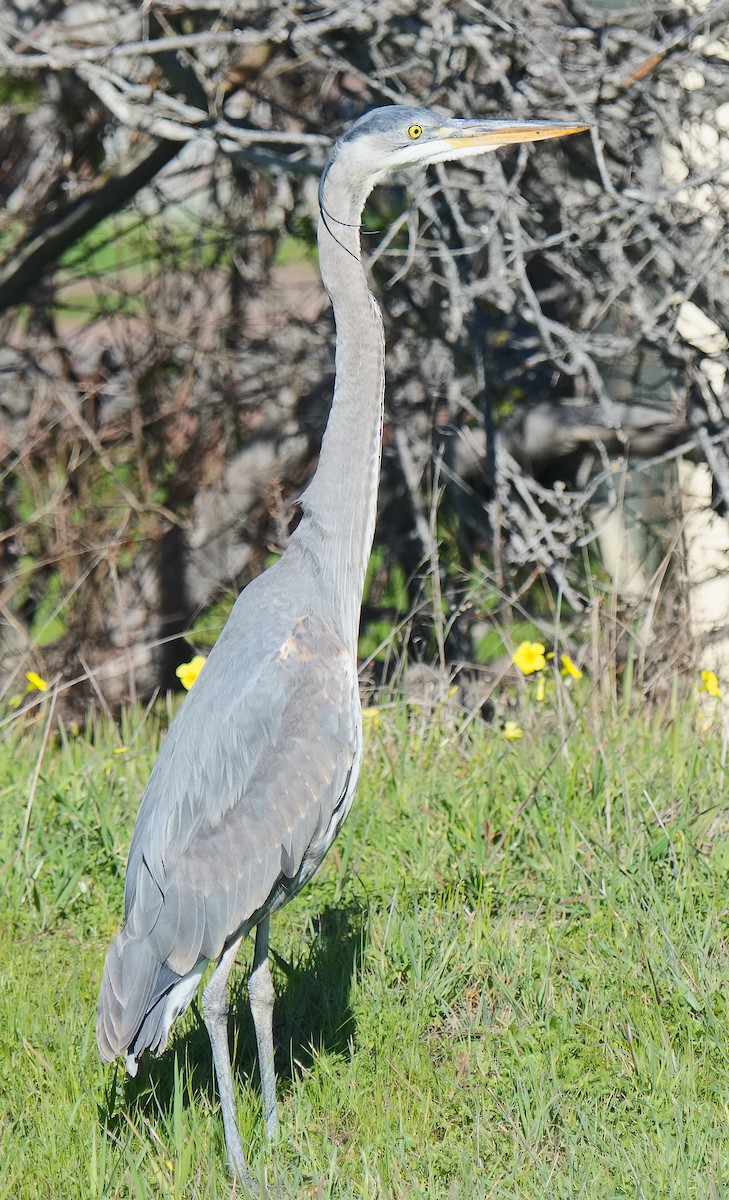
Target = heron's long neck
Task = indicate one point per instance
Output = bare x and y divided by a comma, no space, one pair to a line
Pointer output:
340,504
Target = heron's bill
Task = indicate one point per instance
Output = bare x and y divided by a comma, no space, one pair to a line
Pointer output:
503,133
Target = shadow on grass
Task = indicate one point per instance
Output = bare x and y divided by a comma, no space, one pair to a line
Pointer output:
312,1013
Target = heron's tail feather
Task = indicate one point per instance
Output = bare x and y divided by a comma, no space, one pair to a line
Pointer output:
139,999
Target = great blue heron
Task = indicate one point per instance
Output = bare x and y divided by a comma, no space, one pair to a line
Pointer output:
260,765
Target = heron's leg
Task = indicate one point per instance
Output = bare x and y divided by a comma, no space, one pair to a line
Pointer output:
215,1015
262,996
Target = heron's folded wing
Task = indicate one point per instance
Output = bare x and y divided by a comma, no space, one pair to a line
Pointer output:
246,784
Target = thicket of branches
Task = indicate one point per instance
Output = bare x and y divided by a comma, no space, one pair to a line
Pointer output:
167,351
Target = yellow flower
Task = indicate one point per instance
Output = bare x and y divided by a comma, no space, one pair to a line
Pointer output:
512,732
569,668
529,657
188,672
372,716
541,689
35,683
710,684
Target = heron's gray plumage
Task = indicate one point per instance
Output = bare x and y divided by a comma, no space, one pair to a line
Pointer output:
260,765
238,807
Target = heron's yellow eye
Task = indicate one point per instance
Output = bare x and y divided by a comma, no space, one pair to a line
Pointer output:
415,131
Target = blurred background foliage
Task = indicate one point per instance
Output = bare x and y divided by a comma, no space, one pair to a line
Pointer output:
554,319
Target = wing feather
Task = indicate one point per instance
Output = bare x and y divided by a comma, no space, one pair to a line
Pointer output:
238,811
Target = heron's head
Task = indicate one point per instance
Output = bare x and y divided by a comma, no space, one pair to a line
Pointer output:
387,139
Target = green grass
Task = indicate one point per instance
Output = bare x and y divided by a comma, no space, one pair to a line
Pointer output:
509,980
